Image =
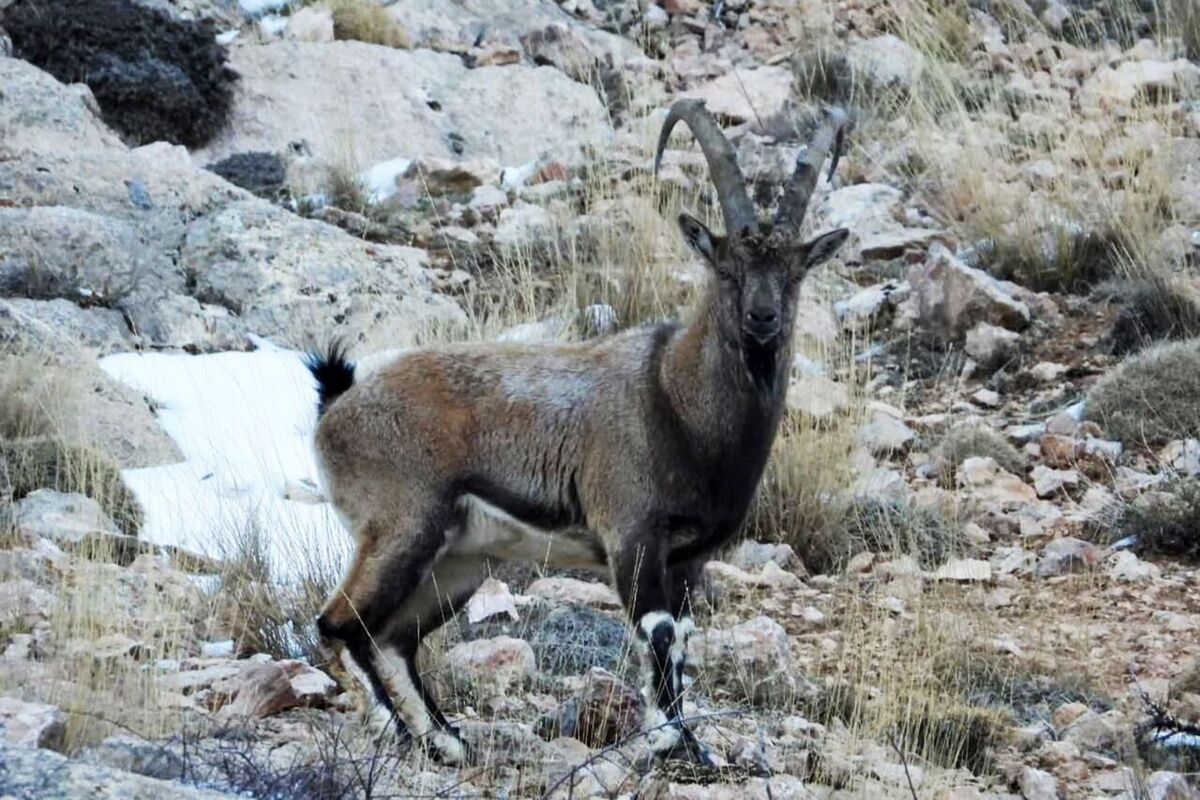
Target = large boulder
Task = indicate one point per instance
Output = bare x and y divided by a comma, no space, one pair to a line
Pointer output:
949,297
409,104
871,212
285,277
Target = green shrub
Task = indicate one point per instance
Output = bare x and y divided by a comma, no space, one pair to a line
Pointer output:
27,465
1166,522
1152,397
882,526
969,441
366,21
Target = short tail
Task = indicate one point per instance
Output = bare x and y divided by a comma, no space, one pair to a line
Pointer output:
333,371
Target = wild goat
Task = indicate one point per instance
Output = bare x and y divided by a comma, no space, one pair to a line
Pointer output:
637,454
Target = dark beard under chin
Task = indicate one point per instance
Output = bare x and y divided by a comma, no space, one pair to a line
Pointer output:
761,363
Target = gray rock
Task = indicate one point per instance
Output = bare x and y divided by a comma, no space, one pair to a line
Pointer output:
40,775
133,754
990,345
1065,555
1036,784
950,298
751,660
871,212
491,670
61,327
566,639
886,62
68,519
293,90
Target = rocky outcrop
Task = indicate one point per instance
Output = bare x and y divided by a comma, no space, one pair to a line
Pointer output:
186,259
408,104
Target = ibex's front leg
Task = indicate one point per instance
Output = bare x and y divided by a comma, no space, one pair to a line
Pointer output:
661,632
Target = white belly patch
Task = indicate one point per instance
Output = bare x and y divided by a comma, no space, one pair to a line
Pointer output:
491,531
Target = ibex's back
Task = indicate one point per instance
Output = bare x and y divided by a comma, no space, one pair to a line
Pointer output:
637,454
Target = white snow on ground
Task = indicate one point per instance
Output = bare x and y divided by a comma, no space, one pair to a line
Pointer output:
244,423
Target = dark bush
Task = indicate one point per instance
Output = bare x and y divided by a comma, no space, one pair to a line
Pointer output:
1153,310
155,78
261,173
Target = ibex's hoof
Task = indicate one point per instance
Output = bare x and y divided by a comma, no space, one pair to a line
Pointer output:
686,747
447,747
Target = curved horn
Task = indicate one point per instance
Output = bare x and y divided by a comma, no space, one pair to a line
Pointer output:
829,137
722,162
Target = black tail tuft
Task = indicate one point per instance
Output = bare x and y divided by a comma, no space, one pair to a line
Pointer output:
333,371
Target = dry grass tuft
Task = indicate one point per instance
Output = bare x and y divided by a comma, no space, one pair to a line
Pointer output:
35,395
260,614
366,21
801,500
1152,397
889,527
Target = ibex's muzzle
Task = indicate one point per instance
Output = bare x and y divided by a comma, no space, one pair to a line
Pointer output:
761,326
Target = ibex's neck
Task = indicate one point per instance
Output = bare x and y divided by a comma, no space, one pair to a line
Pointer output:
712,391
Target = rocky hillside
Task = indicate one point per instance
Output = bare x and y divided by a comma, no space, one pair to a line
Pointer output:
971,570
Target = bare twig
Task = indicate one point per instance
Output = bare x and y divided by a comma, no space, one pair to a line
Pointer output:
903,762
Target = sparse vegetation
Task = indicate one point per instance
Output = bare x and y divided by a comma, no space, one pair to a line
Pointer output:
801,498
1152,397
258,612
1060,261
155,77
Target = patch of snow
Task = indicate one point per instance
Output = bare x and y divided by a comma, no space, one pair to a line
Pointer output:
379,181
244,423
227,37
516,177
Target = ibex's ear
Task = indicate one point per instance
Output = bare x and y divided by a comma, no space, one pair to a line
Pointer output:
820,249
699,237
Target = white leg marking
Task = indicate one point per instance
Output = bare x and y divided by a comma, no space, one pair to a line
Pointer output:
405,696
412,709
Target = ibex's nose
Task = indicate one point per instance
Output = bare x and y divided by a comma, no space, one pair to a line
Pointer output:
762,324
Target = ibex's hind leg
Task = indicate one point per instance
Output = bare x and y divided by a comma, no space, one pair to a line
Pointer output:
384,563
647,590
433,602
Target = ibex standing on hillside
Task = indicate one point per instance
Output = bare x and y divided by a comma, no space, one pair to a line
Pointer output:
636,454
